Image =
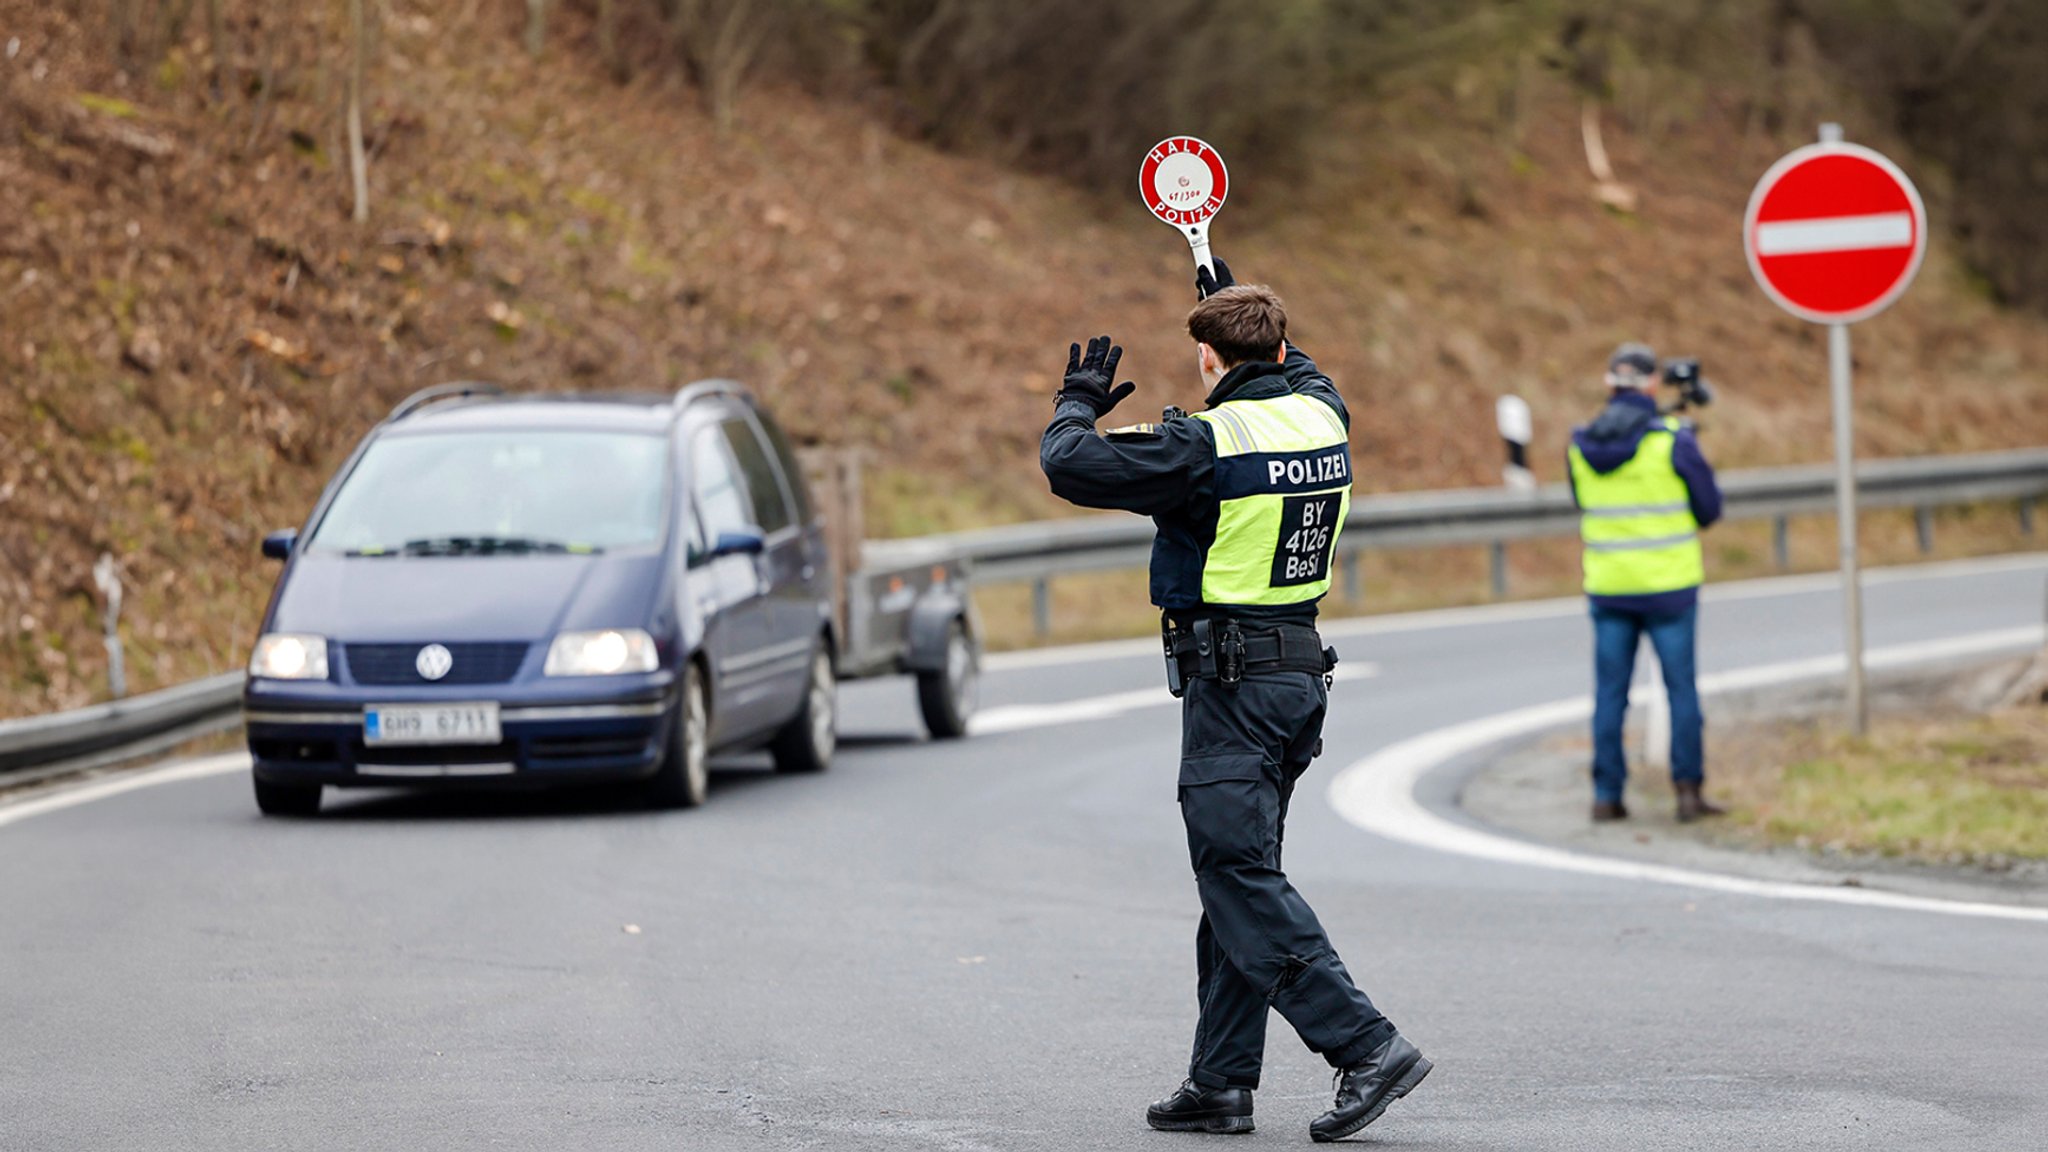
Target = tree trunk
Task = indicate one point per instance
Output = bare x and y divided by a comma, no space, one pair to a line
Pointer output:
174,17
124,32
731,55
685,28
719,47
608,40
216,47
536,26
358,163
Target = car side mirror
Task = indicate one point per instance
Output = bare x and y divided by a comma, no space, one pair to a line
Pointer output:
749,542
278,545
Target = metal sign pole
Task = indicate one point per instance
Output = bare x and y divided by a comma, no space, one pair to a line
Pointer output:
1845,517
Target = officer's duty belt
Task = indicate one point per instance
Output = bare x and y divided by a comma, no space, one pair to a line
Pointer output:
1230,650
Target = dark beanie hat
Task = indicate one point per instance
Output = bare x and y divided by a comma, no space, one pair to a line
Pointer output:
1636,358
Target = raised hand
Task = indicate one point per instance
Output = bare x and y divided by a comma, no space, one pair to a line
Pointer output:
1090,374
1208,284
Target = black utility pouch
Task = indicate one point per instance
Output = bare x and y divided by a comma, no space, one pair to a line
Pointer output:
1169,636
1230,656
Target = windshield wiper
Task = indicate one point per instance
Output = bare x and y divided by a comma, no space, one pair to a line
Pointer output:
486,546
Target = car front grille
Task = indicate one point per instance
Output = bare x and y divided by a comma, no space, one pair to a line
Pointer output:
472,663
414,755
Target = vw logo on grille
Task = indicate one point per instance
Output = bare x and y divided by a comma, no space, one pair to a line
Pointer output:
434,661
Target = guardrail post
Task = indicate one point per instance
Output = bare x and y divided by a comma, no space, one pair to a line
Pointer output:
1499,557
1781,541
1041,606
1923,527
1354,589
2027,515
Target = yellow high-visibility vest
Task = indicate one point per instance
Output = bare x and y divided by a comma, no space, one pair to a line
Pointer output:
1283,482
1637,522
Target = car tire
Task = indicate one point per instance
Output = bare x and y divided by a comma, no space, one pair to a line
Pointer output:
684,778
947,696
806,743
274,799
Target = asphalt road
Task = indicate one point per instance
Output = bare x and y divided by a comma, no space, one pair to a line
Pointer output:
980,945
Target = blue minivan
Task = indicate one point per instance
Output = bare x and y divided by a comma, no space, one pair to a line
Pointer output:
536,590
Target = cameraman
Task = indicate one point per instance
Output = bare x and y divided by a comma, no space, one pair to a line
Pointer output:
1644,491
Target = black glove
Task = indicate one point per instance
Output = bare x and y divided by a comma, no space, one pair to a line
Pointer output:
1207,285
1088,377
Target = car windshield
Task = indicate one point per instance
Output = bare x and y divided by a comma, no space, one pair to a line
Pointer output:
460,493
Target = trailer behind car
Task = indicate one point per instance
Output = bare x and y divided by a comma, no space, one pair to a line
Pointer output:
898,612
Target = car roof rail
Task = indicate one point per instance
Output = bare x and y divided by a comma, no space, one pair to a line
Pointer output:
426,396
702,388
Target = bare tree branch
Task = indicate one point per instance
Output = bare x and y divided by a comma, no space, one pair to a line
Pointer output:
1967,41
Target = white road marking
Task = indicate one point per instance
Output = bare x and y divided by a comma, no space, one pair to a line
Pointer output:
1378,792
171,773
1834,234
1017,717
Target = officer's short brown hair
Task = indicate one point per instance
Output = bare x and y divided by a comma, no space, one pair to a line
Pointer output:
1243,323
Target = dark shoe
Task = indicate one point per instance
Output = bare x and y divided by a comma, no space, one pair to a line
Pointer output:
1365,1089
1691,805
1608,811
1198,1109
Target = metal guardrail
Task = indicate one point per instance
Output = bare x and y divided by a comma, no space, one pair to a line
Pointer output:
1040,551
33,741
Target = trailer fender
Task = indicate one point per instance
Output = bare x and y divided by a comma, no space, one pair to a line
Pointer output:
931,620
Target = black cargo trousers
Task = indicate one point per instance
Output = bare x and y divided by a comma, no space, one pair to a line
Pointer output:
1259,944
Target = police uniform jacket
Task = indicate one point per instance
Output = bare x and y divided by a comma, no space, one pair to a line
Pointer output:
1168,471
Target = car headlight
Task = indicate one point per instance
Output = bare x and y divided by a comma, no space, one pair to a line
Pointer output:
289,656
609,652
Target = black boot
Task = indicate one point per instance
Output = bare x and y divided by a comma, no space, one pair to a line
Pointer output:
1365,1089
1691,805
1608,811
1198,1109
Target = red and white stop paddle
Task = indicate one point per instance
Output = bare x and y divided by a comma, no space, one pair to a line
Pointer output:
1835,233
1184,183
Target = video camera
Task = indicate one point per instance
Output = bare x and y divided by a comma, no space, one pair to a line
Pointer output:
1693,390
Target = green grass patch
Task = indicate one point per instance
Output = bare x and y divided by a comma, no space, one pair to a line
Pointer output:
1951,790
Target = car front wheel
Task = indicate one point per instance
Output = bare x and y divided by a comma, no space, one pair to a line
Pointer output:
806,743
684,778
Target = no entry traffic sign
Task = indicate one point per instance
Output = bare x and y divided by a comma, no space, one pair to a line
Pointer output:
1835,233
1183,182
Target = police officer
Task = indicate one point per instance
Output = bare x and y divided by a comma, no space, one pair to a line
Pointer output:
1249,496
1644,491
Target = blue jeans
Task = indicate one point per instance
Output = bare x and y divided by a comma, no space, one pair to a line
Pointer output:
1616,633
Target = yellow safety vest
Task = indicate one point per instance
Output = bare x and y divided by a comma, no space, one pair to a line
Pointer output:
1283,483
1637,522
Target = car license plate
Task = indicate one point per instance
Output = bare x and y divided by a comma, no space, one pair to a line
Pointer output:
431,724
